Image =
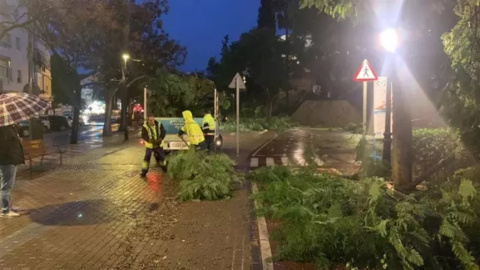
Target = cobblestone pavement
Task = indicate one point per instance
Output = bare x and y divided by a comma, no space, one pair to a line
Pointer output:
95,212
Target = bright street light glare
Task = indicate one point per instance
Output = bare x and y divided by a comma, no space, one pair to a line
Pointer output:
125,56
389,40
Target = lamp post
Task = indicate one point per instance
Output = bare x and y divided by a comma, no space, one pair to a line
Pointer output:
125,57
389,41
401,155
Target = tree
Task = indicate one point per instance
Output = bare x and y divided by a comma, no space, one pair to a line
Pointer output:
148,45
172,93
62,81
258,53
461,102
24,13
417,18
266,15
75,31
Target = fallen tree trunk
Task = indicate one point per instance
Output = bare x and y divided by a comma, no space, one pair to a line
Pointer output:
424,176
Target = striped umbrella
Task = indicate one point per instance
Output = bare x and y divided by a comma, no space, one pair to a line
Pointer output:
17,107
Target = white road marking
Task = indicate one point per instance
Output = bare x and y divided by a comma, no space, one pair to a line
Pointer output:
263,146
254,162
270,162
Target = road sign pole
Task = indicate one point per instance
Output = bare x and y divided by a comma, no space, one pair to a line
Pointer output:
365,85
215,116
238,115
145,114
237,84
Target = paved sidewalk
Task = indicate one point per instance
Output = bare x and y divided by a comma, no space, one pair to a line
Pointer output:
95,212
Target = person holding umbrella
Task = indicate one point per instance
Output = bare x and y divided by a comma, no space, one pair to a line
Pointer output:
14,108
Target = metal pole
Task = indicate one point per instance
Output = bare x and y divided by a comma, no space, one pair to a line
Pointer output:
215,110
387,136
238,115
145,103
125,103
365,85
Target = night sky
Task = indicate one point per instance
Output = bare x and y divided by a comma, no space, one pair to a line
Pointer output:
201,24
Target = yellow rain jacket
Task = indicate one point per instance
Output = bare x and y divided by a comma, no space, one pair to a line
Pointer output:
208,125
193,130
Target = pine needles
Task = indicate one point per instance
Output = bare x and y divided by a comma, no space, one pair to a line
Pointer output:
329,220
202,176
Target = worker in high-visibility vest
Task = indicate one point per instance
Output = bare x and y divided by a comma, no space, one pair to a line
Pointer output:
208,127
153,134
193,130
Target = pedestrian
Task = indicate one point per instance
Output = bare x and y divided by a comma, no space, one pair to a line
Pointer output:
193,131
153,134
11,155
209,126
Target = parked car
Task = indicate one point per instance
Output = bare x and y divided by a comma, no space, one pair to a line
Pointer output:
58,123
46,123
24,126
23,129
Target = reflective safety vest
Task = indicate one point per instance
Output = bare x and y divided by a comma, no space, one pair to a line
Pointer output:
152,135
210,124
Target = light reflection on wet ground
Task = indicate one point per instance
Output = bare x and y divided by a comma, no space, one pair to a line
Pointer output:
319,147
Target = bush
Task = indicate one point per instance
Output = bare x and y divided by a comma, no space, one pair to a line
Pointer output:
328,220
432,145
202,176
259,124
354,128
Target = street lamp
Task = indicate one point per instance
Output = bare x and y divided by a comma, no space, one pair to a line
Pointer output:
402,126
125,57
389,40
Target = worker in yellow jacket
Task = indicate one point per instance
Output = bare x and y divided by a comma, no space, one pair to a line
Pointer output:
153,134
193,130
208,127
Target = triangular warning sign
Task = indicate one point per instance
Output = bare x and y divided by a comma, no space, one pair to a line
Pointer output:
237,79
365,73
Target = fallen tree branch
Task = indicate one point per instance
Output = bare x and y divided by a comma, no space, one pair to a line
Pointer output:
424,176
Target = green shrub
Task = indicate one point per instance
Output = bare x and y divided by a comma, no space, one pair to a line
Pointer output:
329,220
354,128
432,145
202,176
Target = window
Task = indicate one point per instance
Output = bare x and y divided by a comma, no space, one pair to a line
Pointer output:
19,76
5,41
18,43
4,69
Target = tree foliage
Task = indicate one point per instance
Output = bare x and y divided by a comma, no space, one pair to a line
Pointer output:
75,31
328,220
172,93
258,54
462,96
149,46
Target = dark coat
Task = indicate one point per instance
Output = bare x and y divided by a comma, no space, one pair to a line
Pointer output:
160,130
11,150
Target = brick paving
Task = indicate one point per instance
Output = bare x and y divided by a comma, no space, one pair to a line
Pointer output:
77,213
95,212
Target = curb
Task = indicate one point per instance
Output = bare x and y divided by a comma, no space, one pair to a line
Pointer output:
263,238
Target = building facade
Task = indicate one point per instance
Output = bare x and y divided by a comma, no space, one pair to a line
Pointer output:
22,61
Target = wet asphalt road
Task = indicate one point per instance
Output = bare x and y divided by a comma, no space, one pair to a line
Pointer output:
322,148
91,133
